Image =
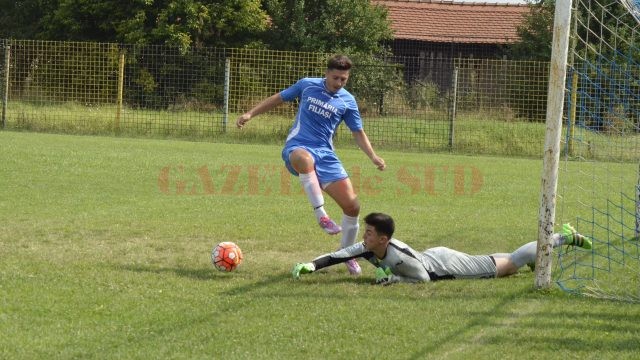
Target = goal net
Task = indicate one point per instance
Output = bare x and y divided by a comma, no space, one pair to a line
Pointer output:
598,185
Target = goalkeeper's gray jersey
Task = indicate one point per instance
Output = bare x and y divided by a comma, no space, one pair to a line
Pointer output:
408,265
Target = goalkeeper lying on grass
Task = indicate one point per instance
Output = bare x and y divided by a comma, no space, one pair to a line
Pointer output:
395,261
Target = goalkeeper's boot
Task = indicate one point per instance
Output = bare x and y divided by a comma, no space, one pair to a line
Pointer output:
353,267
329,226
572,237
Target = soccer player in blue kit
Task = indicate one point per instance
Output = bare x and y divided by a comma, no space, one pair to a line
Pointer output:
308,151
395,261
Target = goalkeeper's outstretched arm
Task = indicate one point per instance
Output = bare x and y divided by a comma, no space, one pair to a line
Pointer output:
340,256
337,257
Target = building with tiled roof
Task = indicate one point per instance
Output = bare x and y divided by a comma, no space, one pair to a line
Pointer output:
429,34
454,22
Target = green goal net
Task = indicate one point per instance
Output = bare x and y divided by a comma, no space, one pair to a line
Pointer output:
598,187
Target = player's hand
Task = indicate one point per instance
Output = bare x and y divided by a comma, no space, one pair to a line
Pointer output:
302,268
243,119
379,162
383,276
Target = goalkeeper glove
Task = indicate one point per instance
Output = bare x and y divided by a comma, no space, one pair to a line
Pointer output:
302,268
383,275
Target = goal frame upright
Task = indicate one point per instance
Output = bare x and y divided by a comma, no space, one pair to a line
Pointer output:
551,155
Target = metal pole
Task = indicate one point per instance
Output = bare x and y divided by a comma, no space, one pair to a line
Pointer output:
454,105
574,89
637,232
572,111
227,76
551,157
5,95
120,89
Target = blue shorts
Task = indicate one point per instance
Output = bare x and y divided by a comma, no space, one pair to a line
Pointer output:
327,165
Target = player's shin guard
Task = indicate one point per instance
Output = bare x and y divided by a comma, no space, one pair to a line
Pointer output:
525,254
312,189
350,229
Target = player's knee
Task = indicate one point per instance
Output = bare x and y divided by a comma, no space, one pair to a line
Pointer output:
300,155
505,267
352,208
301,161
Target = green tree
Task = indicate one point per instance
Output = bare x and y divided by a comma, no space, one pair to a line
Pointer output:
83,20
327,25
182,23
536,33
20,19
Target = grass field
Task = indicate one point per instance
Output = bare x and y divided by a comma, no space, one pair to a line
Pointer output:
105,242
476,133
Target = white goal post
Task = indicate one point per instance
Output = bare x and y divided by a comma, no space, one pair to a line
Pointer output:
551,157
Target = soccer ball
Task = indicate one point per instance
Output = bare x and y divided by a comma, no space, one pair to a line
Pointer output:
226,256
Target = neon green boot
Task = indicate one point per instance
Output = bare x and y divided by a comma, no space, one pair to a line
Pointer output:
572,237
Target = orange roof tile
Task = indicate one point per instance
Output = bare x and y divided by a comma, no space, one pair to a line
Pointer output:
448,21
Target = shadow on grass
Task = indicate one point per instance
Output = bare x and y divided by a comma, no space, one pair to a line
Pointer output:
206,274
556,319
288,281
266,282
254,286
307,285
196,274
459,333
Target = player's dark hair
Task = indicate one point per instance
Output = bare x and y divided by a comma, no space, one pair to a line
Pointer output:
383,223
339,62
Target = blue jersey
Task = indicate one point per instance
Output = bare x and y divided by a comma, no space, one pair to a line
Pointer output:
320,112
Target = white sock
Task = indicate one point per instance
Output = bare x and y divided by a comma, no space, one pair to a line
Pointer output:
311,187
527,253
350,227
557,240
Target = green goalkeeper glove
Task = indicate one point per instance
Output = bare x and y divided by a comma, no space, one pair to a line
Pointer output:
383,275
302,268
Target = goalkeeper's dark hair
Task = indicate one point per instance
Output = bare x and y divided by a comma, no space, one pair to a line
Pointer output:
383,223
339,62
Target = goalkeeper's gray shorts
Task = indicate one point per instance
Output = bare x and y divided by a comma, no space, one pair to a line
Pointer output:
448,263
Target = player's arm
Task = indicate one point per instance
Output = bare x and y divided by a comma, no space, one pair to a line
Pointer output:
264,106
403,264
405,279
411,271
322,261
387,277
363,142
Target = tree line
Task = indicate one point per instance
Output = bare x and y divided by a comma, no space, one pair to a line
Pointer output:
353,26
311,25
